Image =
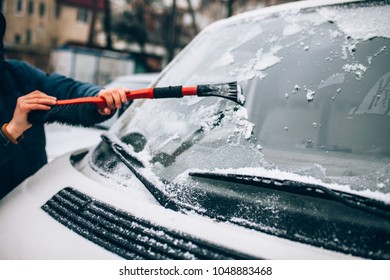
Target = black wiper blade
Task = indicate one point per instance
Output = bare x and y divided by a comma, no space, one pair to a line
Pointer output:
131,161
297,187
119,147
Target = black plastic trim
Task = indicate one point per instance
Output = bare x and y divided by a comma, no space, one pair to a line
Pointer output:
126,235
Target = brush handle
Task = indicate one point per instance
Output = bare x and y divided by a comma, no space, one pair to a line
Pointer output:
146,93
226,90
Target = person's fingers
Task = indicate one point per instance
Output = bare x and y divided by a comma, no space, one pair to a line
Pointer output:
114,97
41,100
123,92
105,111
35,98
24,106
107,95
117,98
39,94
39,107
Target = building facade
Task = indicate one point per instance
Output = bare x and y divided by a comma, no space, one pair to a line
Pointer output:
34,28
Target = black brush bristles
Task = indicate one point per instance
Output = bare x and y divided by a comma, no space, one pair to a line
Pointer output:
231,91
85,114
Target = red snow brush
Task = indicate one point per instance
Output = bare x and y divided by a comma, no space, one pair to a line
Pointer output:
83,110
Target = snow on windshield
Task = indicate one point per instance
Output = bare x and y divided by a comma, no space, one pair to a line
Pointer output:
187,122
351,21
283,175
347,21
375,103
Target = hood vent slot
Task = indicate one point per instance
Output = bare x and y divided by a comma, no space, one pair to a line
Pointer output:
126,235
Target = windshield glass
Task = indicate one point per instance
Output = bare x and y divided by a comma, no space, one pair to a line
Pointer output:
317,113
317,100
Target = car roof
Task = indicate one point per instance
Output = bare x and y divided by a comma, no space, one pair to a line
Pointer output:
286,6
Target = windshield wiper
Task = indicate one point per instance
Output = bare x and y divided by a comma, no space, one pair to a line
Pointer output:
130,160
297,187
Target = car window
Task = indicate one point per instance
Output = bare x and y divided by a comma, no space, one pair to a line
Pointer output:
313,88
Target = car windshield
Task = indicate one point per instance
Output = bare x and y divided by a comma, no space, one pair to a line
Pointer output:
317,100
317,111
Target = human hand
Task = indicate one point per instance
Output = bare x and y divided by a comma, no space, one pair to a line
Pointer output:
35,100
114,98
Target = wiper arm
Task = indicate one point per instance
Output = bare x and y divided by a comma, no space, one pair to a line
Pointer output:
130,160
125,152
285,185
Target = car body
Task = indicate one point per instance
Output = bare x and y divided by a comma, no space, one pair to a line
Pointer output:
301,171
64,138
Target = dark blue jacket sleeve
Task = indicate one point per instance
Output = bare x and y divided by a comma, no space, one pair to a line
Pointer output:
21,79
66,88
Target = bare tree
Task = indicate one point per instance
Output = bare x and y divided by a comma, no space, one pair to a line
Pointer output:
229,6
193,17
172,33
146,22
131,26
91,35
107,23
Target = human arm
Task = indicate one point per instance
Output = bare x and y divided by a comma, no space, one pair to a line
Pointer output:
63,87
19,123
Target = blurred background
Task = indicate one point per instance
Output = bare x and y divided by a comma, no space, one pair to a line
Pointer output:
98,40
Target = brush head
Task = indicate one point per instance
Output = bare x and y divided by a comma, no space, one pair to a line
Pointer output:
231,91
83,114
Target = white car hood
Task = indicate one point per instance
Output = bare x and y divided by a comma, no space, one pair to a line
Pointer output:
28,232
